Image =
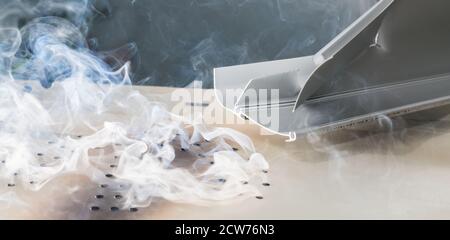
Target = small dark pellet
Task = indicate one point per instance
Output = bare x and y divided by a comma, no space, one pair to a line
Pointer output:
95,208
40,154
113,166
11,185
134,209
109,175
235,149
104,185
222,180
266,184
114,209
265,171
212,163
184,150
197,144
259,197
245,182
118,196
99,196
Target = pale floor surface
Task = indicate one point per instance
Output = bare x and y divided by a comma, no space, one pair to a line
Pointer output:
346,175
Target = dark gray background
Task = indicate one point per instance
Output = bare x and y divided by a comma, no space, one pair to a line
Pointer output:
174,42
179,41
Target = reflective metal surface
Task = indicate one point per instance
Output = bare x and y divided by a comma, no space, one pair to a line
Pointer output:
391,61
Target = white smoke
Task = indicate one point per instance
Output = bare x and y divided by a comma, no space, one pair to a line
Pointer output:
63,111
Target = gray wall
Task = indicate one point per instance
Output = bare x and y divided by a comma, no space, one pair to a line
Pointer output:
179,41
174,42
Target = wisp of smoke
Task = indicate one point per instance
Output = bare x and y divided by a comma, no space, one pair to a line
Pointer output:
126,137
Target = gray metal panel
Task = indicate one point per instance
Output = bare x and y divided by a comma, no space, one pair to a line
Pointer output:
413,42
360,106
342,51
397,64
